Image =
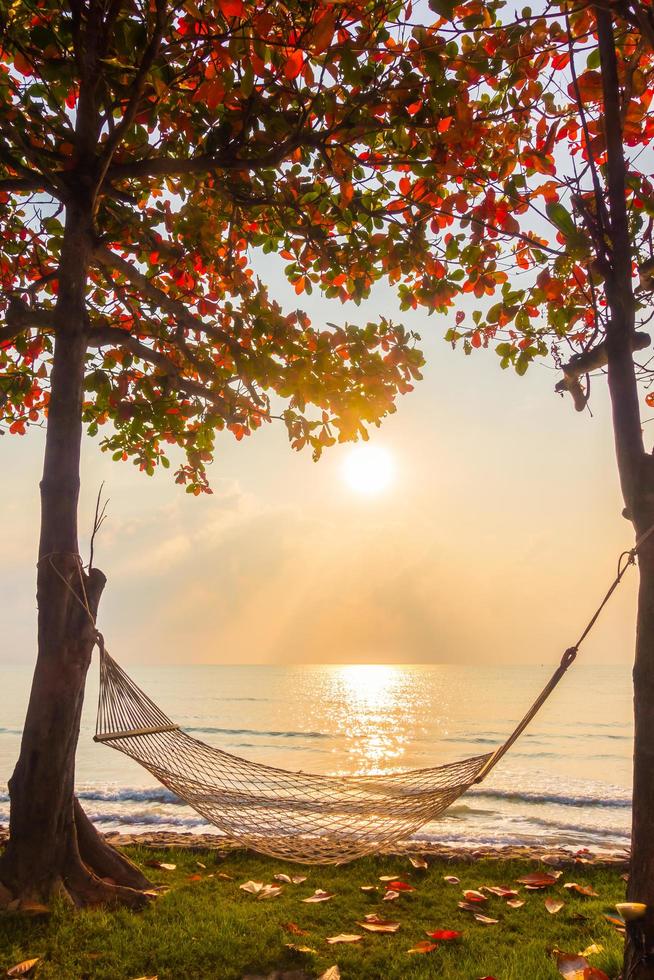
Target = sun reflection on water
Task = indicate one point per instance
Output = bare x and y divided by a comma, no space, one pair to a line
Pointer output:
369,699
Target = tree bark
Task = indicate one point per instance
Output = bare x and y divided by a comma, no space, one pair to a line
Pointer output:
52,849
636,469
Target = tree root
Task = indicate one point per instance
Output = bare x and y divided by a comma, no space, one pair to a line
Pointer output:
106,860
90,873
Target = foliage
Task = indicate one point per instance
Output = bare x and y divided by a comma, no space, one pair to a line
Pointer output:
197,134
207,926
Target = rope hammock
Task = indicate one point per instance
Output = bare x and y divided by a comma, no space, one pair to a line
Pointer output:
297,816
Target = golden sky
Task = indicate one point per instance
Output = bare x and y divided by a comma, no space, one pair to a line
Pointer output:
494,542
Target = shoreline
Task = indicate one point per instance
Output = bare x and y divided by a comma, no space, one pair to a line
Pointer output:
555,857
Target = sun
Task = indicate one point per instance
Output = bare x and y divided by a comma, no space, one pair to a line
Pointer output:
368,469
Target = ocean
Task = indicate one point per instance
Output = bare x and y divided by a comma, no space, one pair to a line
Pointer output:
566,782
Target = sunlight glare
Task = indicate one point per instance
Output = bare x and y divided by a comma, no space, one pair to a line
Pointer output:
368,469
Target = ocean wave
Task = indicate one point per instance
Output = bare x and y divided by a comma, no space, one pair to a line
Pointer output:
254,731
560,799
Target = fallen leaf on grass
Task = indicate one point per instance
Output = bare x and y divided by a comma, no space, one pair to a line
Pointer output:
444,934
467,906
553,905
22,969
319,896
33,908
294,880
485,919
388,877
253,887
294,929
260,890
581,889
300,949
499,891
539,879
592,950
374,923
423,947
201,865
575,967
369,888
194,877
401,886
630,911
344,937
419,862
452,880
332,973
155,977
390,896
160,864
516,903
221,874
474,896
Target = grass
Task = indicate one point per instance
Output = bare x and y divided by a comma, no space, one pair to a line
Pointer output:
209,928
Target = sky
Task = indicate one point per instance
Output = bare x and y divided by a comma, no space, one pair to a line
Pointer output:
493,543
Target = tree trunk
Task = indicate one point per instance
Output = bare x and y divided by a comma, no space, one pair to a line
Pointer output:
639,958
52,847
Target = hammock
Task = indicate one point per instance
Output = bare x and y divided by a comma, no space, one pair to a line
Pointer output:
297,816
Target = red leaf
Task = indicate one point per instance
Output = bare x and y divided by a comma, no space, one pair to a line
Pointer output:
444,934
293,65
231,8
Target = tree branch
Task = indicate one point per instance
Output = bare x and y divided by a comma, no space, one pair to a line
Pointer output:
160,299
106,336
591,360
21,317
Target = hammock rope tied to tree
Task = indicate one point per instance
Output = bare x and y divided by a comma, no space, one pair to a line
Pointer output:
296,816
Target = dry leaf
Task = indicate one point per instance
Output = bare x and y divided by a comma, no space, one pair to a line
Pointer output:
369,888
553,905
160,864
332,973
419,863
221,874
473,896
374,923
319,896
344,937
423,947
300,949
516,903
194,877
499,891
631,910
253,887
485,919
540,879
390,896
269,891
294,929
294,880
575,967
444,934
201,865
33,908
22,969
401,886
452,880
388,877
592,950
467,906
581,889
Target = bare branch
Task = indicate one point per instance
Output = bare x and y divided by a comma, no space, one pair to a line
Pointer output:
591,360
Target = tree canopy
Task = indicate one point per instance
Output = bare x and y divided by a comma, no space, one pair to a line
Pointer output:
201,132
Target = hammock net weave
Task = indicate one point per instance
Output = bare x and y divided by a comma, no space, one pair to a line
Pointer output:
297,816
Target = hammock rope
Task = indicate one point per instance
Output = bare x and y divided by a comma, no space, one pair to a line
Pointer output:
297,816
